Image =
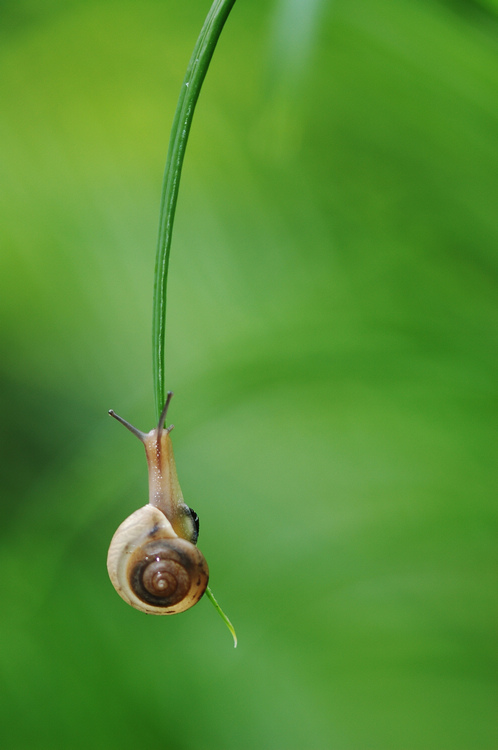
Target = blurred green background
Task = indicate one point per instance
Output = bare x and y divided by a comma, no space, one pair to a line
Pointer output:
331,341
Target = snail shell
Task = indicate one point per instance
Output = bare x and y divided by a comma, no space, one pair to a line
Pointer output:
153,562
152,568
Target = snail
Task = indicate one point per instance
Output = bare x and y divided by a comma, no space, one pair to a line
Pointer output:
153,561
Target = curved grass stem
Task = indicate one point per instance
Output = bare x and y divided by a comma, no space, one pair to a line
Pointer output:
223,616
191,87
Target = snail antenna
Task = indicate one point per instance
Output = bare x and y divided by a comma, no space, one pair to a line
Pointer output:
162,418
140,435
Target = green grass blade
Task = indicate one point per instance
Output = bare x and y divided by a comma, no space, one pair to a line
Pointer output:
191,87
223,616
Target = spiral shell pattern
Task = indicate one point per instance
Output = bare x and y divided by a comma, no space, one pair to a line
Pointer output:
152,568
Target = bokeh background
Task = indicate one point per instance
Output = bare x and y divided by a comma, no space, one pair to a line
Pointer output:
331,341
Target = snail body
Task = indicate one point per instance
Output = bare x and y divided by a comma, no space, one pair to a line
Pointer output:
153,561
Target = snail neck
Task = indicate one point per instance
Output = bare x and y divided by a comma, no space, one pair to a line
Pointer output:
164,489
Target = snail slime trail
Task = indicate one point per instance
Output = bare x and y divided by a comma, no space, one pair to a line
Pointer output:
153,561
